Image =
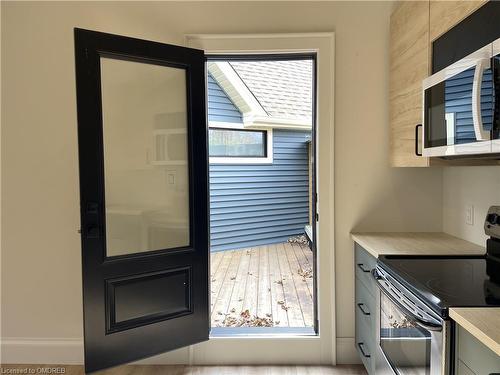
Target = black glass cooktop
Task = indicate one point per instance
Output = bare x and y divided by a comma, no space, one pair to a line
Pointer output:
443,282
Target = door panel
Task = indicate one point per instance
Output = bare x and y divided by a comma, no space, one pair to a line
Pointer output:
144,195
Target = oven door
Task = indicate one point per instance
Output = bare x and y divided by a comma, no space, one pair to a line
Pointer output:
458,107
407,344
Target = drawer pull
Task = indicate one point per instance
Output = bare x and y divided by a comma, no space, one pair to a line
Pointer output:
360,306
362,268
360,346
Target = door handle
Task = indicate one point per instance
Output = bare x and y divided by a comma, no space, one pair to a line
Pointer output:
360,306
360,266
416,140
430,326
92,222
92,231
360,346
477,120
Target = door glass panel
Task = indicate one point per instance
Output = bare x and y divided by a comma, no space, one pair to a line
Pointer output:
145,156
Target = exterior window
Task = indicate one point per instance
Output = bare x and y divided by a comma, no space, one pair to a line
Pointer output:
238,143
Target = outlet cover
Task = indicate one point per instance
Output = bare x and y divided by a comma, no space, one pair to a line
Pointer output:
469,214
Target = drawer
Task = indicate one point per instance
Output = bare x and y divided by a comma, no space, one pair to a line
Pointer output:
364,263
364,306
365,345
476,356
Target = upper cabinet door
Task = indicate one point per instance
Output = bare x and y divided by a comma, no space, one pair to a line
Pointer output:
142,139
446,14
409,65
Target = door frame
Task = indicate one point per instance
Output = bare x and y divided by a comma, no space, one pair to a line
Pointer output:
289,349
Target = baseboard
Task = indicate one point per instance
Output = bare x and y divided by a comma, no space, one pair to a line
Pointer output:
346,351
69,351
64,351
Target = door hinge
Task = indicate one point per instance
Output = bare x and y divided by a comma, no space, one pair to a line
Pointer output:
317,216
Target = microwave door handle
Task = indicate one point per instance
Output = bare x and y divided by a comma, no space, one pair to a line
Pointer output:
417,320
481,134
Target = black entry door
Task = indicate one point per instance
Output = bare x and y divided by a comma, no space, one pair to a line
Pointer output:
143,183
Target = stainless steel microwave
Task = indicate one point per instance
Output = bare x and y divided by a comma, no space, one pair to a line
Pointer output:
461,106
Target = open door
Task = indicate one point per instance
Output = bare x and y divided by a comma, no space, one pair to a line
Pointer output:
142,139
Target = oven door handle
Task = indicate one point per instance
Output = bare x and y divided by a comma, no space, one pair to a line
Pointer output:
417,320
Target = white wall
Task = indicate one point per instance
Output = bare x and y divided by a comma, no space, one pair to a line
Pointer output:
465,186
41,268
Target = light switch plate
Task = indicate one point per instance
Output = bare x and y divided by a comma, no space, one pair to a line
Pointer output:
469,214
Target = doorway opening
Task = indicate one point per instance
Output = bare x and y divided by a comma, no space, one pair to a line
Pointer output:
262,180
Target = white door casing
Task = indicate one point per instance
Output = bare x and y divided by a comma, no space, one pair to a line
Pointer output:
319,349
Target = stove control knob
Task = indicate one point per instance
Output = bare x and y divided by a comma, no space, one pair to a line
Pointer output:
492,222
493,219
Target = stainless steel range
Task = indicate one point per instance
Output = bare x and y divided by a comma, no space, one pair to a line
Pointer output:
415,334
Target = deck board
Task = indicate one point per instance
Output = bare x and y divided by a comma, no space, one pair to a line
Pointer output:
300,282
221,307
280,317
217,282
265,280
291,303
304,263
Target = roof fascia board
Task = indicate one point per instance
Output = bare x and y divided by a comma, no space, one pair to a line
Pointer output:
235,88
278,122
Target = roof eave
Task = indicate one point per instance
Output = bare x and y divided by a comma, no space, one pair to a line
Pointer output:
235,88
275,122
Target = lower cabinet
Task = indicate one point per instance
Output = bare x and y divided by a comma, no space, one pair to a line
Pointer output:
365,308
473,357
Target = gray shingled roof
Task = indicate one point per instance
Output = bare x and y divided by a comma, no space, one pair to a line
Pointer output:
283,88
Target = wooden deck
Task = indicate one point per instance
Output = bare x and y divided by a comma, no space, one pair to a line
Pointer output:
270,285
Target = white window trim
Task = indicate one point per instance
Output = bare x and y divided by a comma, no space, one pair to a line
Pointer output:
246,160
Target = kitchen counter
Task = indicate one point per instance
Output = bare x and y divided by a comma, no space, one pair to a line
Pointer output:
481,322
415,243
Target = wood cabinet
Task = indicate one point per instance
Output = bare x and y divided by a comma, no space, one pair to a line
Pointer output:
446,14
409,65
413,27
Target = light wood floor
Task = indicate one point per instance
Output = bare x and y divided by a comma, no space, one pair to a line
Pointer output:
273,282
197,370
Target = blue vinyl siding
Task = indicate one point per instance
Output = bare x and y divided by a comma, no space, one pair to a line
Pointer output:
458,100
220,107
256,204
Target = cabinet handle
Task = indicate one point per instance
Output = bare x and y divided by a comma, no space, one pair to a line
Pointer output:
360,306
480,132
360,346
362,268
416,140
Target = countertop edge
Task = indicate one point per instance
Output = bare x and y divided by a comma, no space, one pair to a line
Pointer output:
402,243
356,238
475,331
